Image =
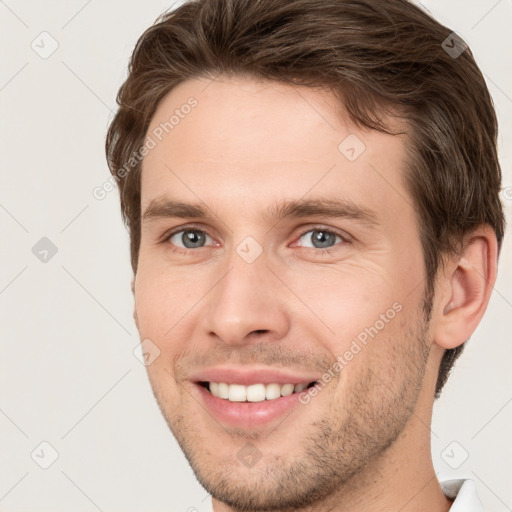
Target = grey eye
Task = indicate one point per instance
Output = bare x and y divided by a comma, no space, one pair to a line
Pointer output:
319,238
189,238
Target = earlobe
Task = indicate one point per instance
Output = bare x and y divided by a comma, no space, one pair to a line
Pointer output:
468,283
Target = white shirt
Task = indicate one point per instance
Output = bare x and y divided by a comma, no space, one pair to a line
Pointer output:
464,492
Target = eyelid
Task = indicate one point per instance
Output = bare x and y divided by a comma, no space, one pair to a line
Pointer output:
185,227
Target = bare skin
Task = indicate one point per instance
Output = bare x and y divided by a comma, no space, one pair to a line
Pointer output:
363,442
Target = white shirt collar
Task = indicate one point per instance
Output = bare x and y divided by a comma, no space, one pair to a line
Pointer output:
464,492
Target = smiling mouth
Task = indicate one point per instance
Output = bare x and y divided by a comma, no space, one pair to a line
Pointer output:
254,392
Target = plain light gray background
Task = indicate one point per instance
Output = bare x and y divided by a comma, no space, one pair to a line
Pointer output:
69,376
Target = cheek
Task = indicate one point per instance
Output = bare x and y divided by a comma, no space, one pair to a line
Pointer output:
360,313
163,300
347,298
165,286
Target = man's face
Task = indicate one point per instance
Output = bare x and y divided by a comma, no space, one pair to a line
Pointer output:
258,296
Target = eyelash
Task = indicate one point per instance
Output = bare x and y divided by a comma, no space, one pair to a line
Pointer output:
314,250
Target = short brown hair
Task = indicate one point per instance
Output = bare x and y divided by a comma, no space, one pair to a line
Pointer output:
373,55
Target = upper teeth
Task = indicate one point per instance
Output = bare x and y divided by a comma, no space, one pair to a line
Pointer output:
254,392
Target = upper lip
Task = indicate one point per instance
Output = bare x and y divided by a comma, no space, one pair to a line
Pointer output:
248,376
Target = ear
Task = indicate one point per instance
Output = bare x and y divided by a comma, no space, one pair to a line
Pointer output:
465,288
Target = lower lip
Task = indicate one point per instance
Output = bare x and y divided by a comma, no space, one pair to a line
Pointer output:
247,414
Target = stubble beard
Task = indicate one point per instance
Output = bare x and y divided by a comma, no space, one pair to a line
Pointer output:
337,448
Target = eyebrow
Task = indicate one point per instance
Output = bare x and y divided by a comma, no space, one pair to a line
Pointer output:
336,208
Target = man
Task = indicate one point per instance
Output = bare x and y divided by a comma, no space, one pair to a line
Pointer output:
311,190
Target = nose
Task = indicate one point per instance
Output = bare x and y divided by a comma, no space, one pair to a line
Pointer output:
247,305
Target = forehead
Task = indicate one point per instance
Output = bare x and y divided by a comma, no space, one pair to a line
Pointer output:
228,139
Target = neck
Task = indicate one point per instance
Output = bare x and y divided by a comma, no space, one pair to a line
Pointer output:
402,479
